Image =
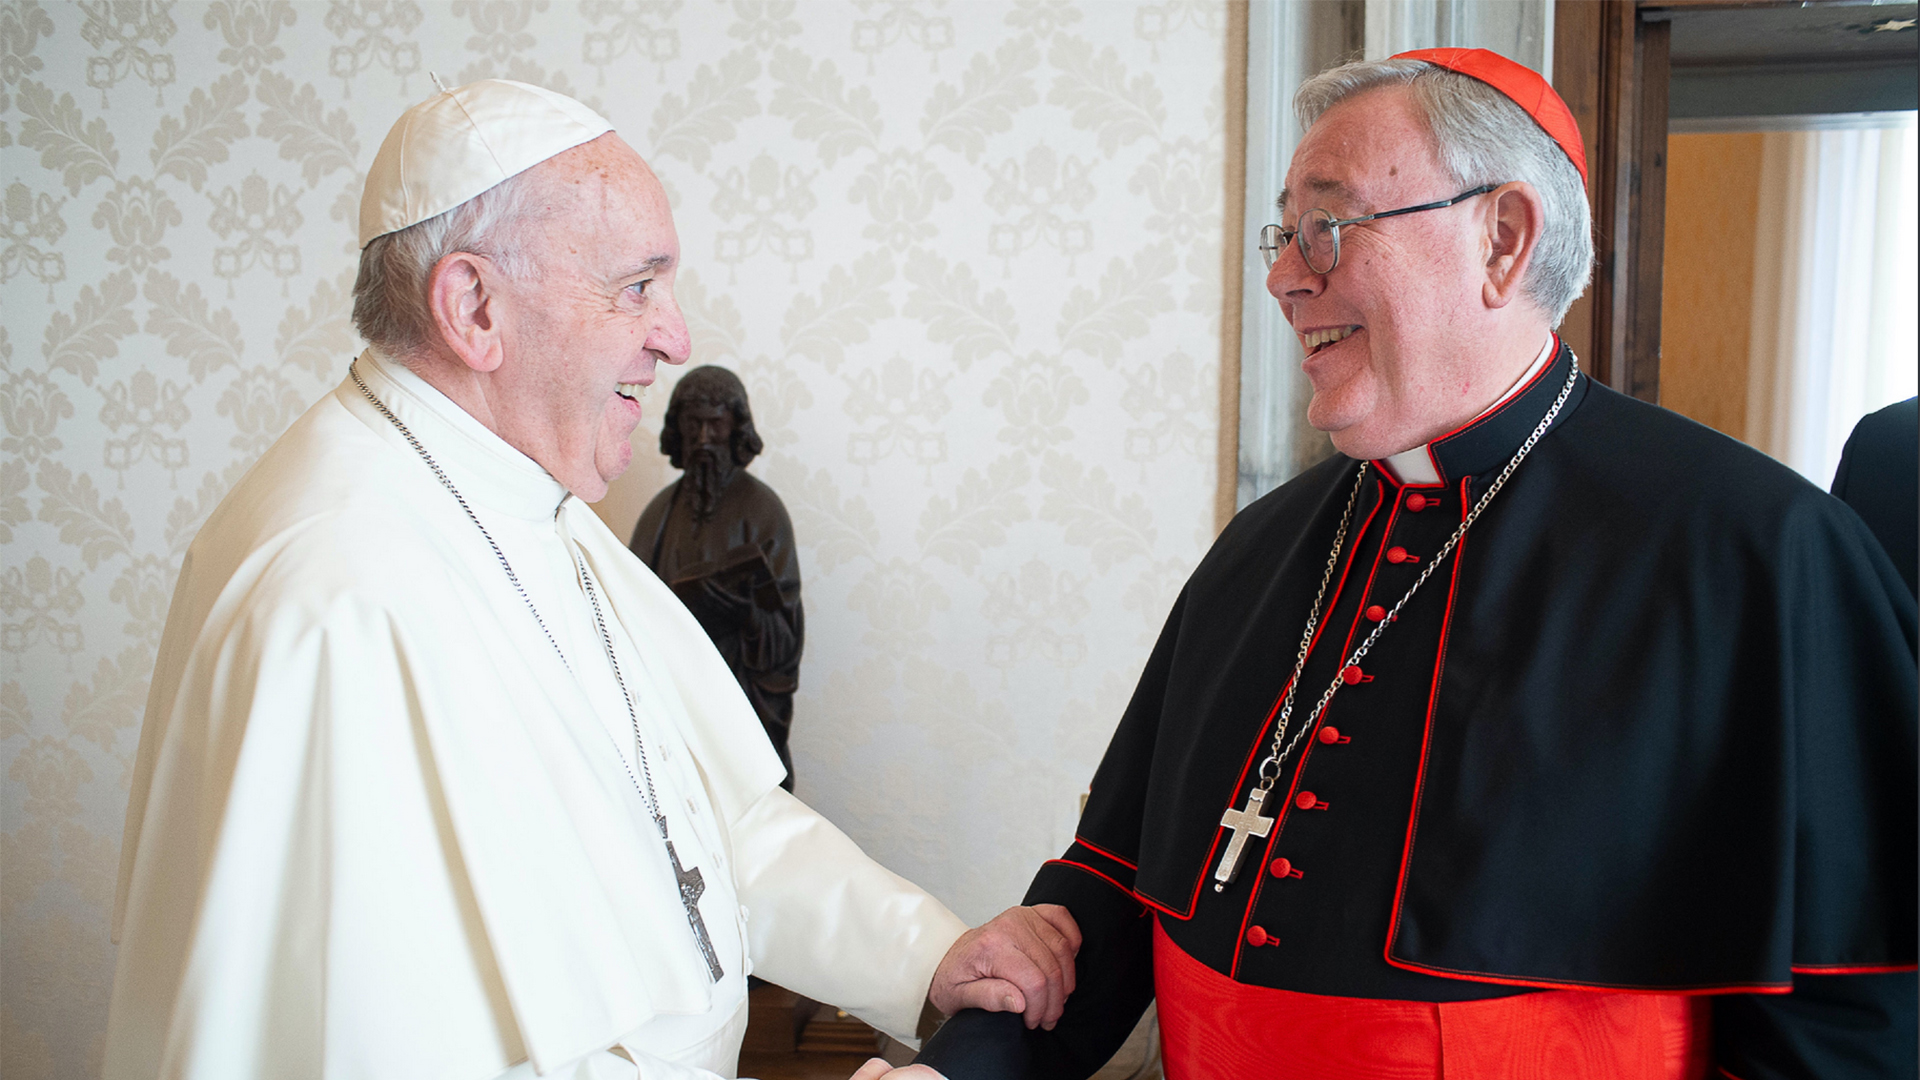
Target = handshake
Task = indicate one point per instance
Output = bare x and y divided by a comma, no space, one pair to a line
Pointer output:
1019,961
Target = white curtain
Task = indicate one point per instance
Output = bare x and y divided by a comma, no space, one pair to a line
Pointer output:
1834,290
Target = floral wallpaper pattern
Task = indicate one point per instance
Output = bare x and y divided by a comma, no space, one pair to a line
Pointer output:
966,256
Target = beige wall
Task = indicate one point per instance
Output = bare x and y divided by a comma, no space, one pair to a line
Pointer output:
967,258
1706,295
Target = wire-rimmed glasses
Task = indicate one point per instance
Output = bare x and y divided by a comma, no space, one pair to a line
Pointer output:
1319,232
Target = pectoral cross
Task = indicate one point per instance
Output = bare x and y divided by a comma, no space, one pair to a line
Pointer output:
1244,823
691,886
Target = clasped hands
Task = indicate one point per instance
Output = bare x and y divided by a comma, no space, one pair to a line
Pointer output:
1019,961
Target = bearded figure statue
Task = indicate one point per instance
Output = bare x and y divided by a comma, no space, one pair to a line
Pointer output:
723,542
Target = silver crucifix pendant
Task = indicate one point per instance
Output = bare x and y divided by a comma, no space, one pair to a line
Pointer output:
1244,823
691,886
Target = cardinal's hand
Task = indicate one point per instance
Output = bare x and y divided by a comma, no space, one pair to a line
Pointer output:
878,1069
1021,961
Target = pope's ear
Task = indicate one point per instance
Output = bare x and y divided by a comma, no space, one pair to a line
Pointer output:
467,309
1514,218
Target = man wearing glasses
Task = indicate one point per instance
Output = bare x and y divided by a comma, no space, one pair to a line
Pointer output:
1541,732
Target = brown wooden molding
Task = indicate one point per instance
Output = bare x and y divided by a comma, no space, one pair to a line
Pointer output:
1646,212
1576,76
1611,66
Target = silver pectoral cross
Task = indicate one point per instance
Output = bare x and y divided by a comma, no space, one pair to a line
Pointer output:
1244,823
691,886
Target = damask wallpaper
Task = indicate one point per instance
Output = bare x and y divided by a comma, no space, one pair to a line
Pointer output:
965,255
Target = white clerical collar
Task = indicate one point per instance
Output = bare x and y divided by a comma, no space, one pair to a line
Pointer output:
1416,466
485,467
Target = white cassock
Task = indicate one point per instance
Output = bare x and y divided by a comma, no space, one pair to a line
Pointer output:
379,829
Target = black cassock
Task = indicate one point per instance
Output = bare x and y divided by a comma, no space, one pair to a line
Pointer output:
1652,727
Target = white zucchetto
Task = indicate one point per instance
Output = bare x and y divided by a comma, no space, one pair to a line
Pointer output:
460,142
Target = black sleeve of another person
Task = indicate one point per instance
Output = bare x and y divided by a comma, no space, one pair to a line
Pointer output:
1879,477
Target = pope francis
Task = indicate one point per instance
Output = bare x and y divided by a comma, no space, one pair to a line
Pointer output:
436,779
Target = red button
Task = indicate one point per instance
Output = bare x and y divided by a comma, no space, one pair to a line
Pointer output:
1396,555
1352,675
1417,502
1280,867
1306,800
1331,735
1257,936
1376,613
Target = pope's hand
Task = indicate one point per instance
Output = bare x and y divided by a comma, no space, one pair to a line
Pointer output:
1021,961
878,1069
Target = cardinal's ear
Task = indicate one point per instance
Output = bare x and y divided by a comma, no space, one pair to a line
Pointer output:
467,309
1514,217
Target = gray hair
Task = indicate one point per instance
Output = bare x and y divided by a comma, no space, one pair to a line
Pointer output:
1483,137
390,292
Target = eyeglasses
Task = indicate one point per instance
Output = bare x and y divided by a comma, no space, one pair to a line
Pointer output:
1319,232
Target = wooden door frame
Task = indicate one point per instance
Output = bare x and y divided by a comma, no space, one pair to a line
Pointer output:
1610,63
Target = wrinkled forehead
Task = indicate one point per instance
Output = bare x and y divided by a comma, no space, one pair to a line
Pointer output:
1362,153
1312,191
606,175
600,198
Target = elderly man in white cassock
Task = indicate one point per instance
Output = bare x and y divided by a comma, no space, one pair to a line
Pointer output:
436,779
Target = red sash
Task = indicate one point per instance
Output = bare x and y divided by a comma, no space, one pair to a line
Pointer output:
1216,1029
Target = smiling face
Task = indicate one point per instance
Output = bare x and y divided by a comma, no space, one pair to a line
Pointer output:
585,329
1390,335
